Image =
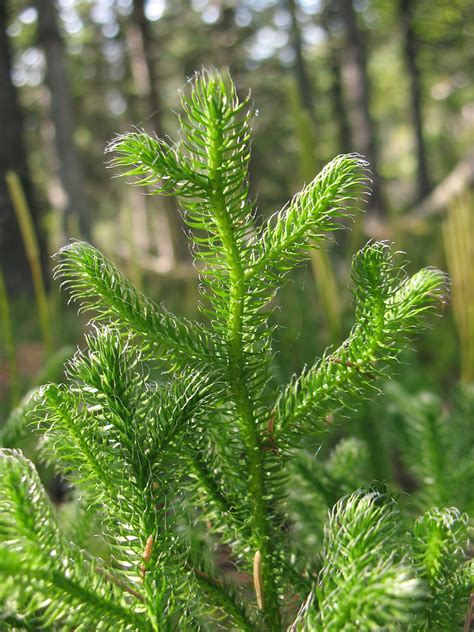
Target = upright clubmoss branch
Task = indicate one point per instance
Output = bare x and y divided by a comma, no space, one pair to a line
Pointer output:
244,406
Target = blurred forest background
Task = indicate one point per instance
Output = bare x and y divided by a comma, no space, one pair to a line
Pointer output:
390,79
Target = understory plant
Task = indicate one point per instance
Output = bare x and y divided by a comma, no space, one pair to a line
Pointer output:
435,442
179,443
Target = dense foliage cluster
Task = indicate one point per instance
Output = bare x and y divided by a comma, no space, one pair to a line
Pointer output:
184,449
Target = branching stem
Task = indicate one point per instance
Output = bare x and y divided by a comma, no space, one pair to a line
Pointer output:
243,403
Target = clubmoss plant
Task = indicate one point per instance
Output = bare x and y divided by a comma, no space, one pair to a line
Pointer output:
436,445
195,466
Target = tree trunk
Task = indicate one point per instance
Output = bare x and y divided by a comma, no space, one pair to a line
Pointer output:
70,170
226,38
337,97
149,80
329,21
300,69
358,87
144,70
411,51
13,260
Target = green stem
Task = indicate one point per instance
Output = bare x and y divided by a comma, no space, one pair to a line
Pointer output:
83,447
244,405
30,241
7,326
242,531
211,486
73,591
223,601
